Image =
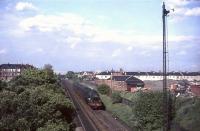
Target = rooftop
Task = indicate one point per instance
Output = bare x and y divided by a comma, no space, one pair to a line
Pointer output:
128,79
105,73
15,66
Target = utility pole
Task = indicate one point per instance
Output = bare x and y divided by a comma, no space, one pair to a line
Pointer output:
166,119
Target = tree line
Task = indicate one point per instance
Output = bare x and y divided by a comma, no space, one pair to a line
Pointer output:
35,101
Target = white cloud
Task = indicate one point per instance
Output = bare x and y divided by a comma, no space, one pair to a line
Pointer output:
179,3
79,29
193,12
176,3
181,9
187,11
3,51
116,53
73,41
46,23
20,6
130,48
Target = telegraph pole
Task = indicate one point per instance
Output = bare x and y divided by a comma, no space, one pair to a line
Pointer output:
166,119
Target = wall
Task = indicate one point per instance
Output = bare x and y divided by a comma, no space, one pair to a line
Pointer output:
114,85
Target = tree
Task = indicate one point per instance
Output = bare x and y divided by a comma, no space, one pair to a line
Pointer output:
2,85
34,77
48,67
116,98
54,126
71,75
187,113
148,110
103,89
35,101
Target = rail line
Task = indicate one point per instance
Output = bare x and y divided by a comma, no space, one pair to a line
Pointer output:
97,120
83,117
79,118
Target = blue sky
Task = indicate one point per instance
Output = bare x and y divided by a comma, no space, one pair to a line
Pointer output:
99,34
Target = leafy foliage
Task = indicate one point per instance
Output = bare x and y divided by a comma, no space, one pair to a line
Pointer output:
2,85
188,112
34,101
71,75
148,110
103,89
54,126
119,110
116,98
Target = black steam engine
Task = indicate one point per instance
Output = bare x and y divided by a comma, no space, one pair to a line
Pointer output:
90,96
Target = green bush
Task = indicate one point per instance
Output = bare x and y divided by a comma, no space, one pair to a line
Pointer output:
55,126
188,113
148,110
116,98
119,110
103,89
34,100
71,75
2,85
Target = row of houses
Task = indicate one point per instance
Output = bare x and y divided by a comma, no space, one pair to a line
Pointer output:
134,81
152,76
8,71
186,88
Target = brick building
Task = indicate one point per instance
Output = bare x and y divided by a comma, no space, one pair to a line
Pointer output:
8,71
195,89
123,83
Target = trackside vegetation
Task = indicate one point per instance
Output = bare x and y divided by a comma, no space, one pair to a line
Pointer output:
188,113
35,101
146,113
143,115
103,89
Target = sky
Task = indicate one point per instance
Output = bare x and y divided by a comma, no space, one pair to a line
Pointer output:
97,35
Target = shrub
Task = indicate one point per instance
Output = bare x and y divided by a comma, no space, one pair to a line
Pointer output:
2,85
116,98
148,110
187,113
103,89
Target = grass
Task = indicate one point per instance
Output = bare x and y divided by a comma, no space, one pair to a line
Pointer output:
129,95
123,112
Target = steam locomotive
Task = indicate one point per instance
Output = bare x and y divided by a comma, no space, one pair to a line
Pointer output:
90,96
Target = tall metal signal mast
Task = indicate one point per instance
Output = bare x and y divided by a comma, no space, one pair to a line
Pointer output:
166,120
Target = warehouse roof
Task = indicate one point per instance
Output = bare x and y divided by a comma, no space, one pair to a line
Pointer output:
128,79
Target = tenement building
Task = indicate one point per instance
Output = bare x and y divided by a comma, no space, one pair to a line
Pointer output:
8,71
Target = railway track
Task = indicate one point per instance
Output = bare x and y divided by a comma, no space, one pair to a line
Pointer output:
107,119
82,116
93,120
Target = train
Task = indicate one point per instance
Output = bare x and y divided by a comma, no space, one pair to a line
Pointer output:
90,96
